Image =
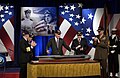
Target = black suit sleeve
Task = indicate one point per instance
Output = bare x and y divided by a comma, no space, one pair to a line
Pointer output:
23,45
49,44
66,46
73,45
85,45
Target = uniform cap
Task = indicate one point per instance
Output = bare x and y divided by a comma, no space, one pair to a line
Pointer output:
79,33
100,29
114,29
47,12
27,11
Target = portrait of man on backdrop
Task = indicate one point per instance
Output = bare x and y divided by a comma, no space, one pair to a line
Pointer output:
39,20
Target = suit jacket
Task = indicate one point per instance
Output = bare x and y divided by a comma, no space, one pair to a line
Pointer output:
83,44
25,56
57,51
114,41
101,51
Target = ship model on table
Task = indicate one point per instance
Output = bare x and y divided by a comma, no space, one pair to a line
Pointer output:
62,58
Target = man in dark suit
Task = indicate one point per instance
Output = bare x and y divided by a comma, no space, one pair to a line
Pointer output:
56,44
79,45
113,54
25,53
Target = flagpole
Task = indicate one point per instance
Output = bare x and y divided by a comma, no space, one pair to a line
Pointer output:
106,27
105,20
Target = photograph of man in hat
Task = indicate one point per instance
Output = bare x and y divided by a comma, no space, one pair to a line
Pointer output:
79,45
113,63
56,44
26,53
47,24
26,22
101,52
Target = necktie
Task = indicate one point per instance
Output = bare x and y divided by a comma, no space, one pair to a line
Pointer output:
57,43
79,40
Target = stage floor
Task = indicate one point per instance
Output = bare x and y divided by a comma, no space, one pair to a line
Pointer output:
9,72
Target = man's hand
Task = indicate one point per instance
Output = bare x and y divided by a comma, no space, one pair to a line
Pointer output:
98,41
78,46
95,39
33,43
81,49
47,51
71,52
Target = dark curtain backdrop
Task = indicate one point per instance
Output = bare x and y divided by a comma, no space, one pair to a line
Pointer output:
41,41
113,6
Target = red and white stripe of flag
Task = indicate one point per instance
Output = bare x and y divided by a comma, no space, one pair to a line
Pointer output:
7,39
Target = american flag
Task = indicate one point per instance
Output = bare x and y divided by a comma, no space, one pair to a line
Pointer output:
7,30
71,21
114,22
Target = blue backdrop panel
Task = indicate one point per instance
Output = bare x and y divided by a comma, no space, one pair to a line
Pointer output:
41,44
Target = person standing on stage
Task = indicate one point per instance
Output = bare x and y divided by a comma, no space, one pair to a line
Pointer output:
113,54
25,53
101,52
79,45
56,44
